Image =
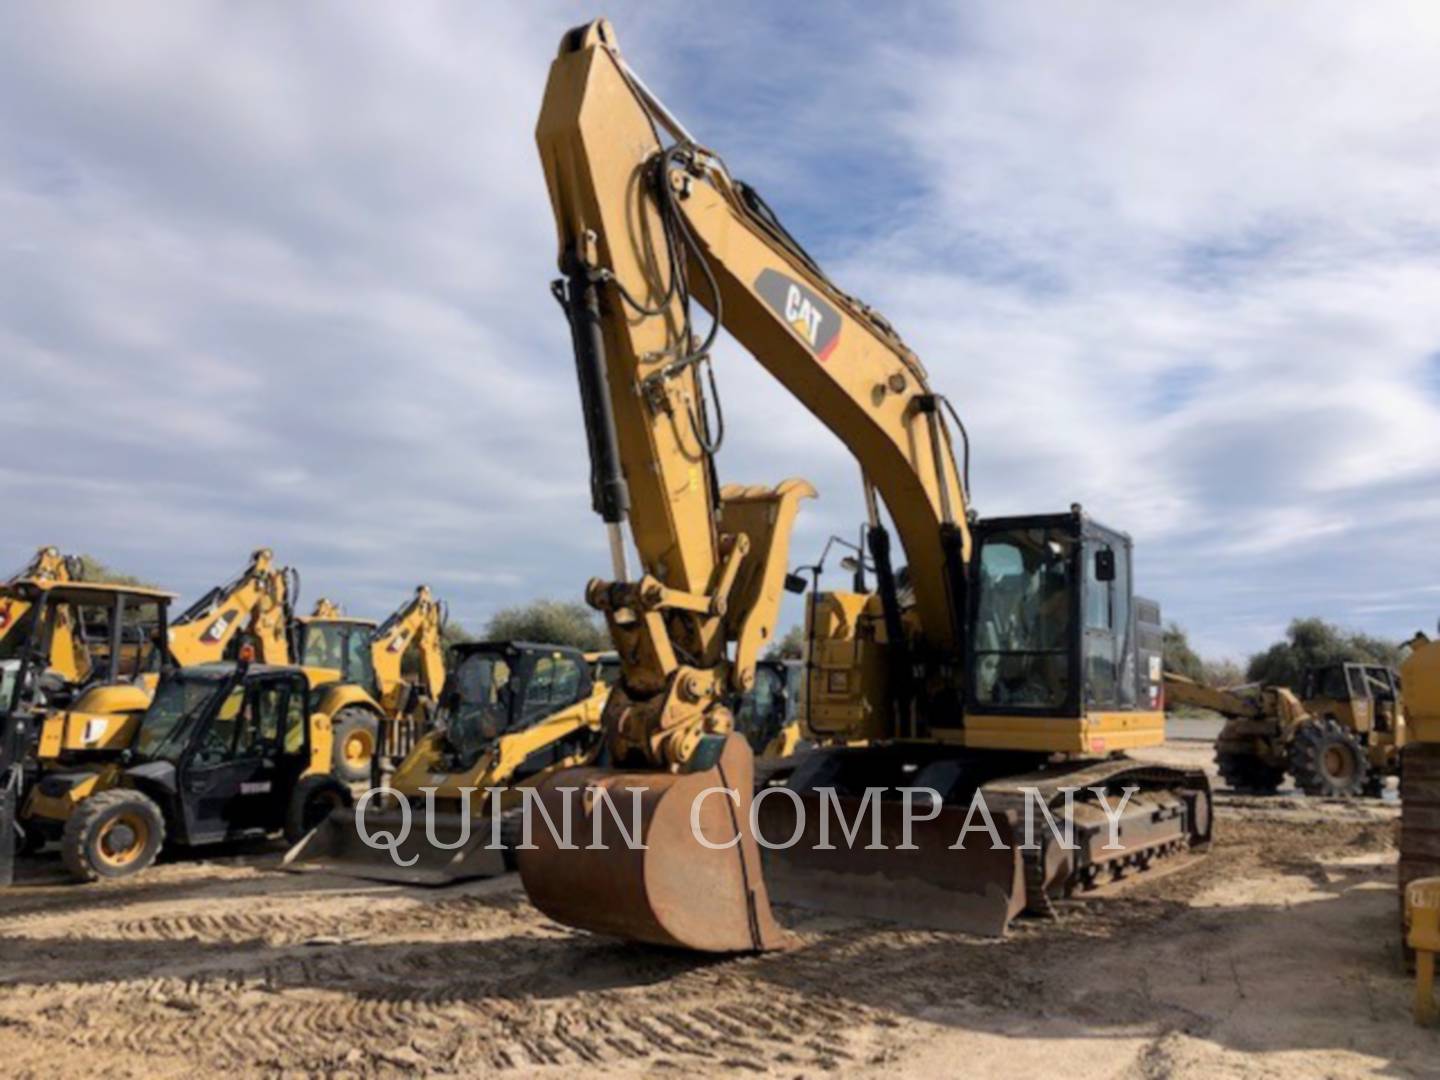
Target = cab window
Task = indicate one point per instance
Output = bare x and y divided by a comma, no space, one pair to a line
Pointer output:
1026,594
553,685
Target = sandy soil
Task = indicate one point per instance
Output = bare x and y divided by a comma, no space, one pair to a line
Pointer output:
1277,955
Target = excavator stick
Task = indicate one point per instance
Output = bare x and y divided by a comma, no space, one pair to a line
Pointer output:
337,846
670,889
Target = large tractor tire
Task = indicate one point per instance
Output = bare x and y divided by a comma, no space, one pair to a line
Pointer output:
1328,760
312,801
1249,775
112,835
357,741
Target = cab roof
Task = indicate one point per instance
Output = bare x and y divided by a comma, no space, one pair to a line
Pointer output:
351,620
91,591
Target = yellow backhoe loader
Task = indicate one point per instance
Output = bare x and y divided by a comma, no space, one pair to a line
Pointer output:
1000,665
379,714
90,717
113,637
510,714
48,565
1420,767
1343,738
254,607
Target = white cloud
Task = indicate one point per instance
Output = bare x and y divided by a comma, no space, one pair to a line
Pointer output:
282,272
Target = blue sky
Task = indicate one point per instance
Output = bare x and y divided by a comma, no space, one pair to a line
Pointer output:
286,269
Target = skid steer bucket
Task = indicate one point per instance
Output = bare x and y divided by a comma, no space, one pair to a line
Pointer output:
670,889
917,878
338,847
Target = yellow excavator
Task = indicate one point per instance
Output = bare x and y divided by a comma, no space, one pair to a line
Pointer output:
1000,665
359,667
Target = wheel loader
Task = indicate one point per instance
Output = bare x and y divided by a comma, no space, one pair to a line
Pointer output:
1000,664
225,751
1420,765
1342,738
379,714
510,714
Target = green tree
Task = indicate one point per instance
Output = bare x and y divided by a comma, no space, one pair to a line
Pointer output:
1222,673
92,569
1313,643
550,622
1179,657
452,633
790,646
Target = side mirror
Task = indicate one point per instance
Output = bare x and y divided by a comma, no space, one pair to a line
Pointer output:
796,583
1105,565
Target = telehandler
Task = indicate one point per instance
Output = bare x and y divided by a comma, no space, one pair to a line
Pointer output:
1342,738
225,751
510,714
1002,661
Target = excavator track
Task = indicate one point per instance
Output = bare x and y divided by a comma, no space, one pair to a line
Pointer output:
1168,814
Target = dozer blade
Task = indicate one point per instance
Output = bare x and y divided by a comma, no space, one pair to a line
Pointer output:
671,891
976,890
337,847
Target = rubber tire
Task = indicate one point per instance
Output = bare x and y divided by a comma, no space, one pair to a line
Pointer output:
348,720
1247,775
1313,740
300,817
83,828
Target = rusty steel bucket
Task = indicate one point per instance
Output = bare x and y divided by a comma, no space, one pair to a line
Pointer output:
673,891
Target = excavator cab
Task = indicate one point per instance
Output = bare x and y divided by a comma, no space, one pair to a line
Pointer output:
1054,630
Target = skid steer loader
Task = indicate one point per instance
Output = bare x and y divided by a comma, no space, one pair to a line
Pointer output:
225,751
511,713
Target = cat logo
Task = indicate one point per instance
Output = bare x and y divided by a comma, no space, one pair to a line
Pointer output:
216,630
805,312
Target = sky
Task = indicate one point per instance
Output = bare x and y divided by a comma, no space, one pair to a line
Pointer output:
277,274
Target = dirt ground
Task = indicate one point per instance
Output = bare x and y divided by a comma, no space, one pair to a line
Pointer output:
1277,955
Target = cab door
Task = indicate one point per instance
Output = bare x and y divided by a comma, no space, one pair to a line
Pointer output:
230,782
